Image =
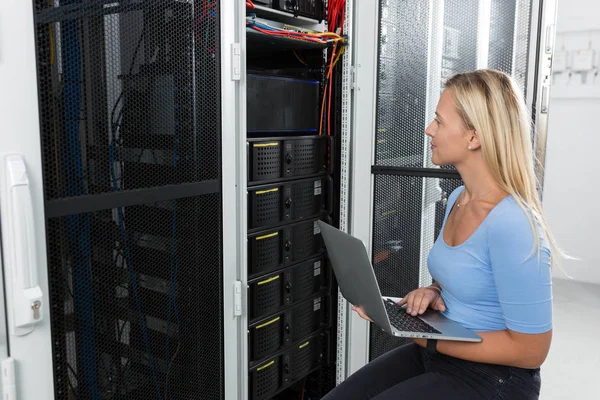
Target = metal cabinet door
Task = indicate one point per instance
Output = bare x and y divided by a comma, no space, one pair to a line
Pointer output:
111,197
22,206
403,52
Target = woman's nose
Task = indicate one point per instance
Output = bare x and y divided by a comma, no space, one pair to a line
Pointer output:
428,130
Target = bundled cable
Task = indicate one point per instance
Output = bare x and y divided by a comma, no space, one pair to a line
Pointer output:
335,15
335,24
321,38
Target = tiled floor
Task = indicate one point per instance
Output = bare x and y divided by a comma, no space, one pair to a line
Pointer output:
572,369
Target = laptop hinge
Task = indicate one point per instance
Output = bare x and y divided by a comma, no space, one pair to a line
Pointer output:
237,298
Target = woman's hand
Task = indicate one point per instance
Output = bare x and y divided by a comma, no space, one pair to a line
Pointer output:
361,313
419,300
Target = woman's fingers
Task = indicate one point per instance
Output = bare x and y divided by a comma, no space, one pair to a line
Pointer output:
361,313
439,304
414,305
419,300
408,300
425,302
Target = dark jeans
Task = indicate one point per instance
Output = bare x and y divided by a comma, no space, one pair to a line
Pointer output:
408,372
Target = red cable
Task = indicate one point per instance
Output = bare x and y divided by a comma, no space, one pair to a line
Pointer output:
249,4
293,35
303,386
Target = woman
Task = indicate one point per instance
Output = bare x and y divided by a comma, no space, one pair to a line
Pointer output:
491,262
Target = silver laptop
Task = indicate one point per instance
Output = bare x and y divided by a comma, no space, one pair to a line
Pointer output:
358,284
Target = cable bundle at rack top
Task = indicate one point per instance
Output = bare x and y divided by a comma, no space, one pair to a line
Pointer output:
335,24
290,33
335,15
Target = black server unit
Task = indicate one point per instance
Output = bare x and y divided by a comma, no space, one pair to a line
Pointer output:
274,159
307,8
281,104
289,306
288,201
130,130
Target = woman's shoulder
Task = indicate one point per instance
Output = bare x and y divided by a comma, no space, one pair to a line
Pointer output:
511,218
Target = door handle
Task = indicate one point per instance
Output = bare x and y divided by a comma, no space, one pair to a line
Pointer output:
27,304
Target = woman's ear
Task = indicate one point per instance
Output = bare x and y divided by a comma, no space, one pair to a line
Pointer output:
474,142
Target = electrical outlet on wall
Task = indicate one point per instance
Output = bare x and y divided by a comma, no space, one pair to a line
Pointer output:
583,60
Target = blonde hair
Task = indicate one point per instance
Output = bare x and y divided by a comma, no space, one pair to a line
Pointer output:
491,103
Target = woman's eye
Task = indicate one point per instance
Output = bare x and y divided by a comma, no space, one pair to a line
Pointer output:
437,121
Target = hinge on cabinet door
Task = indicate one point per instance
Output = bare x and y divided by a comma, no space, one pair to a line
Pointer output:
9,385
236,62
237,298
352,77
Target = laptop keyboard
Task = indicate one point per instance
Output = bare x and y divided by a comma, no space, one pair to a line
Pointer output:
406,322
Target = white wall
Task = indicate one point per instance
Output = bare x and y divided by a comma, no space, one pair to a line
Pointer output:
572,180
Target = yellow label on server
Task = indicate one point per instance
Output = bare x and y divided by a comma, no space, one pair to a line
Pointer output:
304,345
272,144
268,323
267,236
267,191
269,280
265,366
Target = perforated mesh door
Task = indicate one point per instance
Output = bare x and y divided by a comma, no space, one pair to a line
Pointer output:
402,82
129,326
420,46
411,71
404,230
509,28
129,98
128,94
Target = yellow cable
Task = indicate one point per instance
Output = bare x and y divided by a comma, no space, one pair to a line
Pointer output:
299,59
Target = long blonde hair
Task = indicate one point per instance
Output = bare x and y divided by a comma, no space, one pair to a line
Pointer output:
491,103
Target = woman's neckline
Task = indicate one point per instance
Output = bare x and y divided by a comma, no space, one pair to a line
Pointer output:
467,240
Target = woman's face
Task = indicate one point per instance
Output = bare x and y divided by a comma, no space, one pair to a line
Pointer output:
450,139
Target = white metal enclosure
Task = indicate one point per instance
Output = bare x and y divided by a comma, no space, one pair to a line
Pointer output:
391,196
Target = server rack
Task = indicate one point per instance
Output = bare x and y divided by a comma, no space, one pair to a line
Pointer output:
292,301
105,37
